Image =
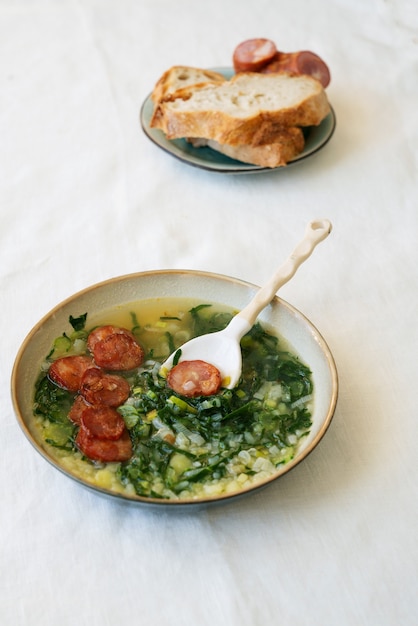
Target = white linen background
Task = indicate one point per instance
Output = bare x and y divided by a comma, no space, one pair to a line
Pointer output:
86,196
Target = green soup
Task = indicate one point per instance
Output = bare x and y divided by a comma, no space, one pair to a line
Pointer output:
185,448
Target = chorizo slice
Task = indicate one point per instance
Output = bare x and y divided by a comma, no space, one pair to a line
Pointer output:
76,410
299,63
309,63
115,348
103,422
67,371
102,332
118,352
194,378
104,450
99,388
253,54
279,63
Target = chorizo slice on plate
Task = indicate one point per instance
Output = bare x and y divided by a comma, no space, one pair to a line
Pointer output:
253,54
299,63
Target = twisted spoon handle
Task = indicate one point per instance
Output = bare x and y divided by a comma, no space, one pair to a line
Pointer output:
316,232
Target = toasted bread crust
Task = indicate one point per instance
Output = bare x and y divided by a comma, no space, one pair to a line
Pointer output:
288,144
242,110
181,76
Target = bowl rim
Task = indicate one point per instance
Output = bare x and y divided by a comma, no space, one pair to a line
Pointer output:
184,503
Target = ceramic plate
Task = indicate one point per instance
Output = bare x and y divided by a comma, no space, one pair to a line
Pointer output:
316,137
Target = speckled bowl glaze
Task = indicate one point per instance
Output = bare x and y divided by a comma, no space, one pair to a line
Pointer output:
302,336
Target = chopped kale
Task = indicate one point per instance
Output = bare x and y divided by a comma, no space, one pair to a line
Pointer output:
78,323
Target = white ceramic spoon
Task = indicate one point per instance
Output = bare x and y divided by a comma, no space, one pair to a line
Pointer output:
222,349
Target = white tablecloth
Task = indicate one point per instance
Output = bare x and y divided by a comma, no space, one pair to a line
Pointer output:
86,196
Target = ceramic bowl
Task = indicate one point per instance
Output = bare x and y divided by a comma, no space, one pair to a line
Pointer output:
302,336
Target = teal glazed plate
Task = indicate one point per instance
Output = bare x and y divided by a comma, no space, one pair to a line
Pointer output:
316,137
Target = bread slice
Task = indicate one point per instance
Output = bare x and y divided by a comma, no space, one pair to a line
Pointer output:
181,76
289,142
251,108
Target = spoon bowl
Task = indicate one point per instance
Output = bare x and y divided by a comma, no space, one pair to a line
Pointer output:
222,348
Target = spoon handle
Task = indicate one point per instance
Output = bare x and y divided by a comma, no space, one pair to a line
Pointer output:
316,232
